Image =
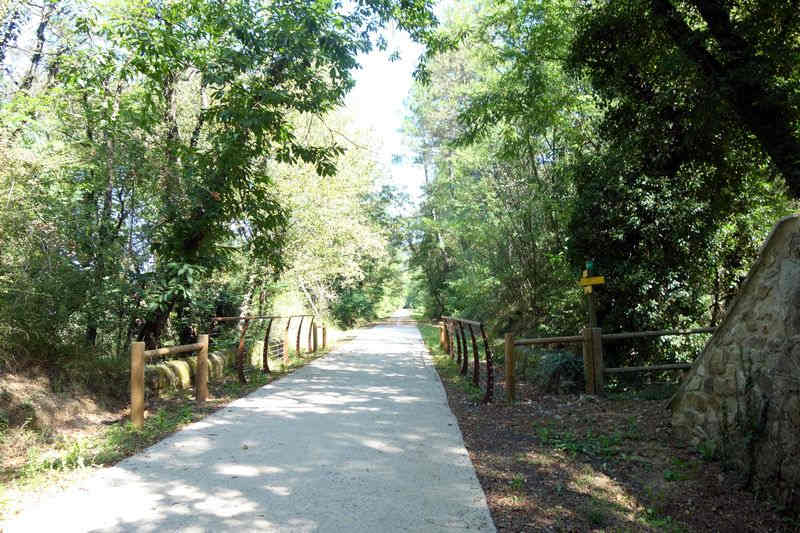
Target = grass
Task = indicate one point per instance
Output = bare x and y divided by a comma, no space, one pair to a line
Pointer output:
517,483
681,470
448,369
51,460
591,444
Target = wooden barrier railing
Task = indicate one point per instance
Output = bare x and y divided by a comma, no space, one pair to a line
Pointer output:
452,329
311,345
594,368
138,358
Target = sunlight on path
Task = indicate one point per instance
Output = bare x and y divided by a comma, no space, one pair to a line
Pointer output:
361,440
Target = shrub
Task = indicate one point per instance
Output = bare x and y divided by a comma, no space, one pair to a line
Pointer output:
558,371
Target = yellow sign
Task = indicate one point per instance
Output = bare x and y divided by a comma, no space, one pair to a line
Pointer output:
594,280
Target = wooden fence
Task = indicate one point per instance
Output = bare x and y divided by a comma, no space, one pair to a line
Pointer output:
594,369
311,345
451,334
138,358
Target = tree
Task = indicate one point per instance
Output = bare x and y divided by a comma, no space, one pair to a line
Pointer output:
136,155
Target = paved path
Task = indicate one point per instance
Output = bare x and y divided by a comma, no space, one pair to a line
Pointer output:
361,440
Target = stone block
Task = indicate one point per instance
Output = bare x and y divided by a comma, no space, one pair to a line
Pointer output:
763,292
717,361
724,386
182,371
792,410
695,383
695,401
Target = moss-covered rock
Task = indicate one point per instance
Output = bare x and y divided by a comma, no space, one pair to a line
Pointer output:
182,371
192,361
216,365
160,378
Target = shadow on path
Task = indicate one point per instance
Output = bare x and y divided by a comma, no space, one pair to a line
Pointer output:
361,440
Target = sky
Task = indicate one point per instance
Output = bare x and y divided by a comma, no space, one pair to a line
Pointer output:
377,105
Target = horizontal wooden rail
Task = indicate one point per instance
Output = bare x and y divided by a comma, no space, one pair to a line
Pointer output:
674,366
549,340
660,333
259,317
172,350
592,339
138,357
463,320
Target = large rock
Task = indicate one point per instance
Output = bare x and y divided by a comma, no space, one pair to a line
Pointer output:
180,373
742,396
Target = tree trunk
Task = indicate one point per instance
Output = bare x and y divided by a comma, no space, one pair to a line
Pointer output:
153,327
47,12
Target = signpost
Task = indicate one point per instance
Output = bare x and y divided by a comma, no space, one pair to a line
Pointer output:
587,282
593,343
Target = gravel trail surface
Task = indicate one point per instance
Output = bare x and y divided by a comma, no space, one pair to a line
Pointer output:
361,440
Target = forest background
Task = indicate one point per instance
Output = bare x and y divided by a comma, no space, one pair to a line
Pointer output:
656,140
165,162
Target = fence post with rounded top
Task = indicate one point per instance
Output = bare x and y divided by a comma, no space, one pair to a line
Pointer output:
137,384
201,373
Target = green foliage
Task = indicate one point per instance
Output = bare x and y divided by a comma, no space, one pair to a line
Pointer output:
169,161
557,370
517,483
558,132
598,446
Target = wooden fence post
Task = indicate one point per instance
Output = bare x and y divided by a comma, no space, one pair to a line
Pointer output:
201,371
240,352
286,344
597,360
311,335
265,351
441,335
458,343
446,337
464,349
489,371
299,330
137,384
316,338
451,341
510,378
476,366
588,361
324,336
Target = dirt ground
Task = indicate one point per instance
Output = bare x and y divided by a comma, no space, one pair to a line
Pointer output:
583,463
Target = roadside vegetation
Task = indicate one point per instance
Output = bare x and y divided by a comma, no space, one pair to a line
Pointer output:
163,163
561,136
571,462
